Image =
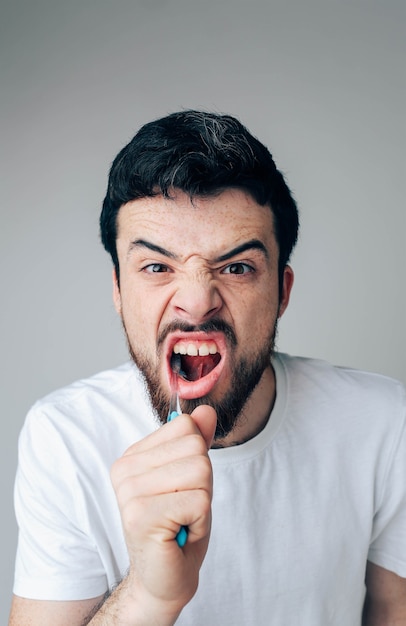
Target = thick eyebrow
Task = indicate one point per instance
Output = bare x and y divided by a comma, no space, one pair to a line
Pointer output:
253,244
143,243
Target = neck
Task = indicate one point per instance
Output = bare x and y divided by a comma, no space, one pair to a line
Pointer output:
255,413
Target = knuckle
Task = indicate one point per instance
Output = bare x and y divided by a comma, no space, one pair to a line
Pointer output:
131,513
202,507
200,472
197,445
206,470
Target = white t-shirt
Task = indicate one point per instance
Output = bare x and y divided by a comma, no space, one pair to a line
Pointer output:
297,511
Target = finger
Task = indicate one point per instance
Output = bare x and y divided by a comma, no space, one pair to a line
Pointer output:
182,475
183,425
179,448
159,518
205,418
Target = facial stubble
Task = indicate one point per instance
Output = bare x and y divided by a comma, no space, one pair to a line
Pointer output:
245,376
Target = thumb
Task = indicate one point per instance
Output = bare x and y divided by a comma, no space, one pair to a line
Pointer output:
205,418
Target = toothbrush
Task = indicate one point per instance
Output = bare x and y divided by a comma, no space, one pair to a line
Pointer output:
174,411
174,405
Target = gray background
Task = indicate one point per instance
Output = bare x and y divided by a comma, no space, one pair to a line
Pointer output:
322,83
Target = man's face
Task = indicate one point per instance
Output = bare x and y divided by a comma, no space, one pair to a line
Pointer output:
200,281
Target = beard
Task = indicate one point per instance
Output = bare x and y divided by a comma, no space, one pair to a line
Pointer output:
245,376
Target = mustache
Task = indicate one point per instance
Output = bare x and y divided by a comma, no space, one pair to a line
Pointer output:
213,325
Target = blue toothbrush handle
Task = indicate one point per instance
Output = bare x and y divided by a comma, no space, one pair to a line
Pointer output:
181,537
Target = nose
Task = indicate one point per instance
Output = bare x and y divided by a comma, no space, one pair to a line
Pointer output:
197,299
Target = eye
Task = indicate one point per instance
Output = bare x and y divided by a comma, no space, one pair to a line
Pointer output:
238,268
156,268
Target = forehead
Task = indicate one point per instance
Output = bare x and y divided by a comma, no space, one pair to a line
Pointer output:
206,225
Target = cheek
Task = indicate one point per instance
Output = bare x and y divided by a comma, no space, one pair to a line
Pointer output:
257,323
258,310
134,314
141,316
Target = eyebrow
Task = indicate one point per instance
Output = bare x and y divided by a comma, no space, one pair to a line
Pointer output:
143,243
253,244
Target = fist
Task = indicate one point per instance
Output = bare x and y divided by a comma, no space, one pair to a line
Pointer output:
161,483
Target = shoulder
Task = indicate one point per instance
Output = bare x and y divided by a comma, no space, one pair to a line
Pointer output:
343,399
110,406
103,384
346,384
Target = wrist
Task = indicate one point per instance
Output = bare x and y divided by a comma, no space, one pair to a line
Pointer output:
131,605
150,610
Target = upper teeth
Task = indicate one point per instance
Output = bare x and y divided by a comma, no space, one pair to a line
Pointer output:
193,349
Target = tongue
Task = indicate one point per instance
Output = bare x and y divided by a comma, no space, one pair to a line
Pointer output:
195,367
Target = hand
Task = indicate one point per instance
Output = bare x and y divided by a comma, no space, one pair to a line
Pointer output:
162,483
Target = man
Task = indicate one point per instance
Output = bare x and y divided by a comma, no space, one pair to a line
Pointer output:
286,475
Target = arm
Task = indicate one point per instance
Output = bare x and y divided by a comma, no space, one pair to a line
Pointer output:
385,601
26,612
161,483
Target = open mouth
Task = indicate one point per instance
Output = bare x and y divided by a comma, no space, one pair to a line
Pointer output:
194,360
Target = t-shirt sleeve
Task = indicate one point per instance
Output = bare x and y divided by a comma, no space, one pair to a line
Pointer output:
388,545
57,558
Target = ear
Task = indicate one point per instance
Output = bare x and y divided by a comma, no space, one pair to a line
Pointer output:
288,278
116,293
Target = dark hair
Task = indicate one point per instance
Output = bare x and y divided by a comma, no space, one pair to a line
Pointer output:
200,154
